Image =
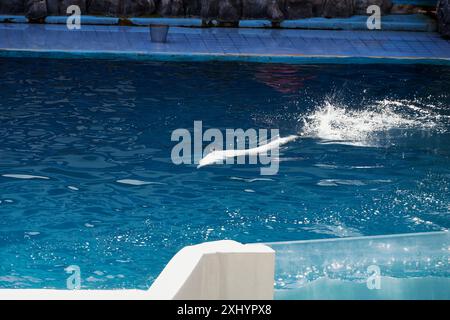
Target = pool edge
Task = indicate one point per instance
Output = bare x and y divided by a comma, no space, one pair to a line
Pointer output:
229,57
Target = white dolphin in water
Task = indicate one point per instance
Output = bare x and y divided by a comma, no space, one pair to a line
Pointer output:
219,156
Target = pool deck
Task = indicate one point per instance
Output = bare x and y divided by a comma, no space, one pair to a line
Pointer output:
224,44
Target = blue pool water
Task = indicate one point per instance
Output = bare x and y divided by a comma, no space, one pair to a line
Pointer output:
401,267
373,160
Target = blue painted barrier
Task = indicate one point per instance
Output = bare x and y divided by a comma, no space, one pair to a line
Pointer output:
175,22
13,19
411,22
89,20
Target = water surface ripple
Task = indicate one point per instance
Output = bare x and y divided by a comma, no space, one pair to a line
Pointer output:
86,176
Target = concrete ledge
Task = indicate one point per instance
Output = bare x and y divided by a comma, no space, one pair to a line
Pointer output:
218,270
223,44
203,57
47,294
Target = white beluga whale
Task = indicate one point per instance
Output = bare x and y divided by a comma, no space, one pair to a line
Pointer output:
219,156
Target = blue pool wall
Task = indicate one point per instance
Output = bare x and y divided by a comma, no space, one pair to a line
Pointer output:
393,22
196,57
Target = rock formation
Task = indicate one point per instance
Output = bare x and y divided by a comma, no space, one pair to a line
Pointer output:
362,5
36,9
12,6
59,7
224,10
138,8
443,14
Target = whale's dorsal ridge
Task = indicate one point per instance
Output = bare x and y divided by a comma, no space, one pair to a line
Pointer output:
221,155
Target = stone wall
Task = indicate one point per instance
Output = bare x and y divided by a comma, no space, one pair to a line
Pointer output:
223,10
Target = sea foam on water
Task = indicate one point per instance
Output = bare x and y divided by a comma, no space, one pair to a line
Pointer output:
334,123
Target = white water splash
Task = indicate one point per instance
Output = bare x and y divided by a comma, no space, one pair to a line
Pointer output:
338,124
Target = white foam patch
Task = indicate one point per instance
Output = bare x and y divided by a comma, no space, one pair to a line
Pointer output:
251,180
343,182
337,182
334,123
134,182
24,176
332,166
32,233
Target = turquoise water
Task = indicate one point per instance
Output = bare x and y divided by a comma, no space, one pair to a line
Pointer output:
406,266
86,176
425,288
